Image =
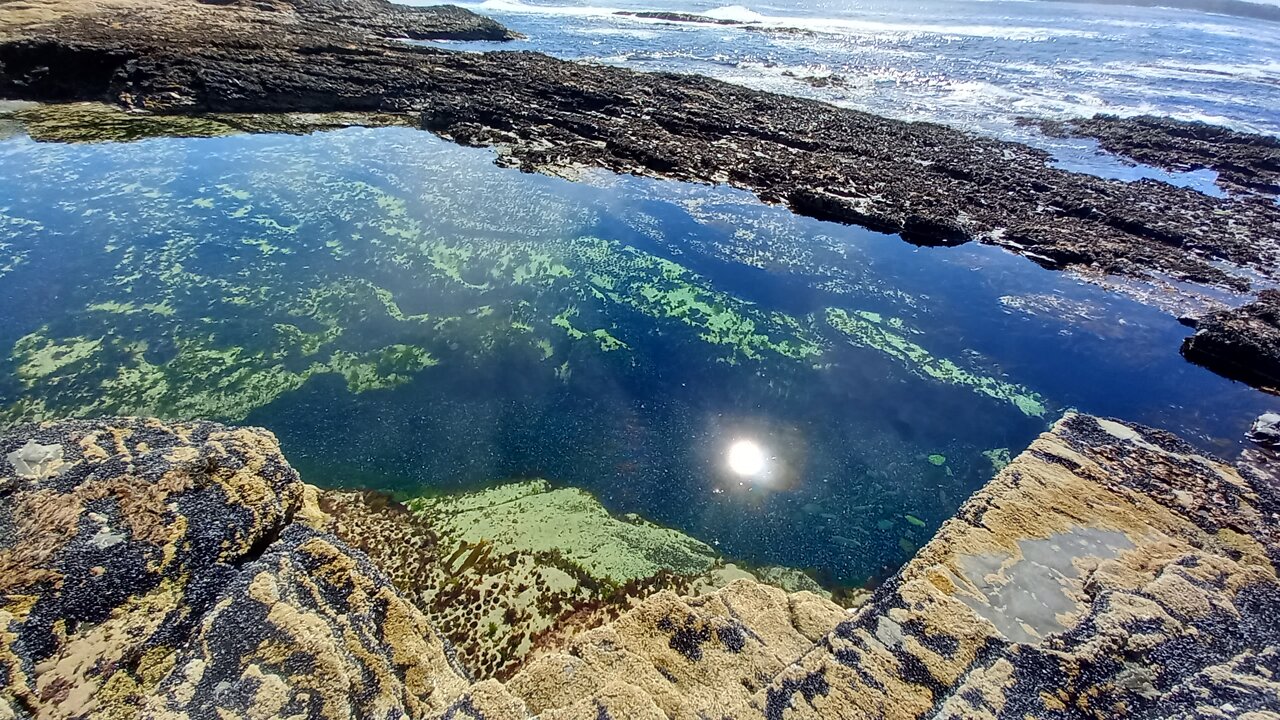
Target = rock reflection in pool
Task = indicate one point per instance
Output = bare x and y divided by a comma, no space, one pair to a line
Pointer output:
406,315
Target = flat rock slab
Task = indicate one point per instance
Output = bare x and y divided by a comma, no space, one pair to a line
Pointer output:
1109,571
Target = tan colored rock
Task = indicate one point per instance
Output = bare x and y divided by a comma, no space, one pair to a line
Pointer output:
166,571
156,570
1105,573
691,655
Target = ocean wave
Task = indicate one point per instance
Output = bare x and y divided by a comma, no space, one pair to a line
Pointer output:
829,25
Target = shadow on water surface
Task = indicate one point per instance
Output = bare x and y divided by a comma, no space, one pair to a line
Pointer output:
404,314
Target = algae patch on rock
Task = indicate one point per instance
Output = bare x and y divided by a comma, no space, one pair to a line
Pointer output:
532,516
505,571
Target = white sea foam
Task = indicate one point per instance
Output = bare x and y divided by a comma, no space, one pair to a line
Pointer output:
835,25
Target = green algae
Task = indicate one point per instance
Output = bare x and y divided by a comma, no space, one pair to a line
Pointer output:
130,308
253,292
937,460
385,368
39,357
661,288
867,330
999,458
533,517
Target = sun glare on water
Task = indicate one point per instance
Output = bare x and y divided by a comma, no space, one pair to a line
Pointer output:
745,458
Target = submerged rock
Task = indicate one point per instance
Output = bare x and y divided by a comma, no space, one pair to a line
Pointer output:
531,516
1240,343
184,570
503,571
96,122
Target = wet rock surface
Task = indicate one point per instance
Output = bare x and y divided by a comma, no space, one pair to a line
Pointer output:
679,17
1245,162
1241,343
929,183
184,570
1266,430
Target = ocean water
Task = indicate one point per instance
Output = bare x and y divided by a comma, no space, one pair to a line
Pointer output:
975,64
406,315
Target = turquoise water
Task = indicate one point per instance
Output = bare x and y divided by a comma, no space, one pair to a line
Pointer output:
404,314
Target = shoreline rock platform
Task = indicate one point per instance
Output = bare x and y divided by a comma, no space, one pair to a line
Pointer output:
165,570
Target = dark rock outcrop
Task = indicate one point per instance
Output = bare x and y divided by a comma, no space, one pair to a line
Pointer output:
931,184
1240,343
386,19
1245,162
678,17
1266,430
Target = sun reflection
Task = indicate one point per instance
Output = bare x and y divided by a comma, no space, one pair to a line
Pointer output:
746,458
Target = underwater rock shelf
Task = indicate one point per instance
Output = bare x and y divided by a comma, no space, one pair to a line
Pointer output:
185,570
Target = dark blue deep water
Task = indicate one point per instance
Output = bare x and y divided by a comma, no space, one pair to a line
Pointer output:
405,314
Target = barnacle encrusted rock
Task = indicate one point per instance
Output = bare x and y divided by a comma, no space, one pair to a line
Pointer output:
1109,571
167,570
506,571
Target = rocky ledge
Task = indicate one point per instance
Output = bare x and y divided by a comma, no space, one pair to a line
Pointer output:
1241,343
1245,163
184,570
